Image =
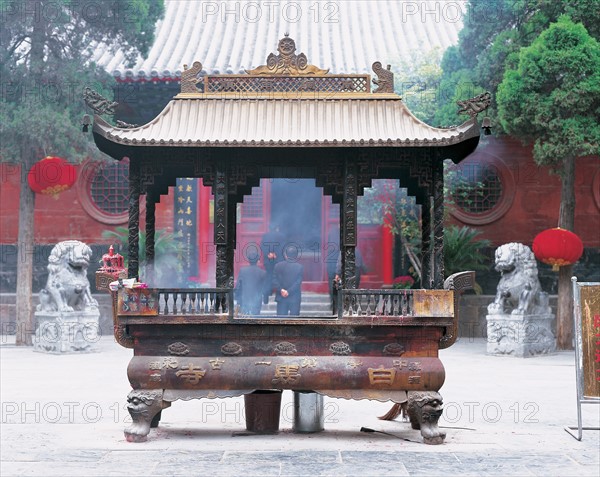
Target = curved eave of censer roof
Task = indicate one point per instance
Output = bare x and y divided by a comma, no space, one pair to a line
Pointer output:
286,103
380,121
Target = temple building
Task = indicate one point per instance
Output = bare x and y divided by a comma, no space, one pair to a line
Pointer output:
317,135
303,213
343,38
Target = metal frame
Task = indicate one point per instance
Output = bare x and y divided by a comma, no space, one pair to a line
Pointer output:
581,399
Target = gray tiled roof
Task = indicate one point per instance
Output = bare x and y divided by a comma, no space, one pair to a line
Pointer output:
371,120
346,36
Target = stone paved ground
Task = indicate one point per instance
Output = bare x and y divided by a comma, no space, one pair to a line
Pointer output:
64,415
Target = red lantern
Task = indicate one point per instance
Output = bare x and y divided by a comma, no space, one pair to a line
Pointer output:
557,247
51,176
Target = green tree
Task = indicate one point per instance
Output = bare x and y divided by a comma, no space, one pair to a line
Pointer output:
45,64
551,98
493,33
489,45
416,80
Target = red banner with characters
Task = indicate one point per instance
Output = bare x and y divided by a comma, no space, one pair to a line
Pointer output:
590,330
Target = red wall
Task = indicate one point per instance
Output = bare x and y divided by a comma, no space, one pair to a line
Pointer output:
535,195
62,218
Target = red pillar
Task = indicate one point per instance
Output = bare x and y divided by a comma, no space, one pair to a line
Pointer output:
387,247
205,243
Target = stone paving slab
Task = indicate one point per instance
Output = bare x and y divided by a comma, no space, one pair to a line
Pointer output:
64,416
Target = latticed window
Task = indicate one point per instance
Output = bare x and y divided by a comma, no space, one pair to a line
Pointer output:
252,208
477,188
110,188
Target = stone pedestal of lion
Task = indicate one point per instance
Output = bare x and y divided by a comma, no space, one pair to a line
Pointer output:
67,316
519,320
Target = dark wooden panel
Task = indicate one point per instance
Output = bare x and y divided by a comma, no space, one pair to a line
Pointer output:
286,372
274,340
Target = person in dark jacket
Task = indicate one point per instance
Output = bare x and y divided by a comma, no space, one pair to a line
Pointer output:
287,282
250,287
272,251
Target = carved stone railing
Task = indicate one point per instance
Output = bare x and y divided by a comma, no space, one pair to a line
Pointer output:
351,303
197,301
174,301
408,303
375,303
418,303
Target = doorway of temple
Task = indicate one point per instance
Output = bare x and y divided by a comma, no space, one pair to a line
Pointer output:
296,208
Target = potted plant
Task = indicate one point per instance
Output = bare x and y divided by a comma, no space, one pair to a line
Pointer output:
403,282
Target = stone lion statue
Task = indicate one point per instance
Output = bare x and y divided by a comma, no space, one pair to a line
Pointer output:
144,407
519,291
424,409
68,288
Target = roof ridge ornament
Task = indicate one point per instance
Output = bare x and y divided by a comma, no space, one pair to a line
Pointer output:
189,78
475,105
385,78
98,103
287,63
101,106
